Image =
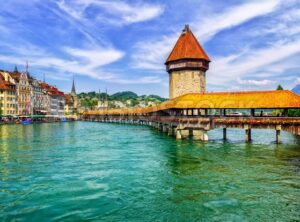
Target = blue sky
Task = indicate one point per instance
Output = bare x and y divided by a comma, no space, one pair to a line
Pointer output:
122,45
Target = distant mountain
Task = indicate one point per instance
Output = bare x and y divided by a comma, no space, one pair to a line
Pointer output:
297,89
124,95
119,99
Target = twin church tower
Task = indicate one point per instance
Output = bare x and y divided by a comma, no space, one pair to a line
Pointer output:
187,65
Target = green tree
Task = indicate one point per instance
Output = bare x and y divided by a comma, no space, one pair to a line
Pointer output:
134,102
279,87
294,112
1,111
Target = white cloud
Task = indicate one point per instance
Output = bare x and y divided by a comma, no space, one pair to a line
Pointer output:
233,17
114,12
151,54
84,61
142,80
96,57
225,70
128,14
253,82
297,80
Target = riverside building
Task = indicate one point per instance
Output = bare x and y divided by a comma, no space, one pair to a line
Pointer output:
23,95
39,98
56,100
8,100
23,89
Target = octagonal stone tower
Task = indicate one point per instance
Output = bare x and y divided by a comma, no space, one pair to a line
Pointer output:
187,65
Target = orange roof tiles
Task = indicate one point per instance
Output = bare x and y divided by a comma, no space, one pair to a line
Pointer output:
237,100
69,99
187,47
15,75
51,89
3,86
223,100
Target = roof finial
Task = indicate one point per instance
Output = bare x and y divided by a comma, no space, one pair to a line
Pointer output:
186,29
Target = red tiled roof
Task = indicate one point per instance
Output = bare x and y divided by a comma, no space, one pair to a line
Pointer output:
51,89
68,99
15,75
187,47
3,86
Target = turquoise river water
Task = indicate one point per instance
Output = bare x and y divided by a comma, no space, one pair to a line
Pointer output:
85,171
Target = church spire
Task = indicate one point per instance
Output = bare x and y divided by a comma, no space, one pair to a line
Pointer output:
16,69
73,88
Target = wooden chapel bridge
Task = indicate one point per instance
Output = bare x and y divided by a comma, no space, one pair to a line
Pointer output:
191,111
193,115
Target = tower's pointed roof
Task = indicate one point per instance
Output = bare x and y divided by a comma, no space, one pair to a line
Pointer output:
73,87
187,47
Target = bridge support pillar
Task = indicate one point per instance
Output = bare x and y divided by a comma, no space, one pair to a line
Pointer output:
248,133
278,129
200,135
170,131
185,133
182,134
164,128
160,127
178,135
224,133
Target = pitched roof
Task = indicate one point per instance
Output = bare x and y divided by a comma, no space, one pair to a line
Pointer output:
15,75
6,85
237,100
69,99
187,47
52,90
278,99
3,86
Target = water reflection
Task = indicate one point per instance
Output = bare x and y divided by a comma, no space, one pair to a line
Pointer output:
118,172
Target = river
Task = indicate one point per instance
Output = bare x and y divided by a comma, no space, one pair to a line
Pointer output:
82,171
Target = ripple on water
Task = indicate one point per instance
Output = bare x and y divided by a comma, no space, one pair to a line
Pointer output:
92,171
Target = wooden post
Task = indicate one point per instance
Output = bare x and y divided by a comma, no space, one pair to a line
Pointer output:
248,133
278,130
224,133
206,112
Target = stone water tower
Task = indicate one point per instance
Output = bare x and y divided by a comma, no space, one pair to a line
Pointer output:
187,65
